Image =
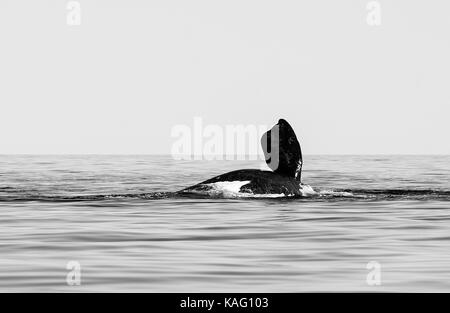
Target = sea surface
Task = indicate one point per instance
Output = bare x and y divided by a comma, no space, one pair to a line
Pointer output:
373,223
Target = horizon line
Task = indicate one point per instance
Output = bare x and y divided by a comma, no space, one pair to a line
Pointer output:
214,155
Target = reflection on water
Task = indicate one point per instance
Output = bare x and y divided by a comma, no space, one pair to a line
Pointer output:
198,245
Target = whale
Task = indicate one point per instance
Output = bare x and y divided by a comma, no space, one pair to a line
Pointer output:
283,156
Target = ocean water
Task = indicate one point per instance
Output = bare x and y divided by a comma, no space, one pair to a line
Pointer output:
119,219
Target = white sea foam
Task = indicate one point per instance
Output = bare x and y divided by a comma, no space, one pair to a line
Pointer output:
227,188
307,190
231,189
266,195
327,192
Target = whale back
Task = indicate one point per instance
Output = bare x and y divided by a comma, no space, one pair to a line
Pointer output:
282,150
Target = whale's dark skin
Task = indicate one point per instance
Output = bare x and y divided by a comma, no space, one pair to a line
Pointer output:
261,182
282,150
286,176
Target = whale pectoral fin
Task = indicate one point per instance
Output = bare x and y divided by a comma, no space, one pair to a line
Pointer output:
282,150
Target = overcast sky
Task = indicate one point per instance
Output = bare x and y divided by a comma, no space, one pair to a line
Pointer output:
133,69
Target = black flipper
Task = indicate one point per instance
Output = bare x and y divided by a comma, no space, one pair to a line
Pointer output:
282,150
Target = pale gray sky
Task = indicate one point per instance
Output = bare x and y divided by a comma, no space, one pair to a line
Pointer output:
133,69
